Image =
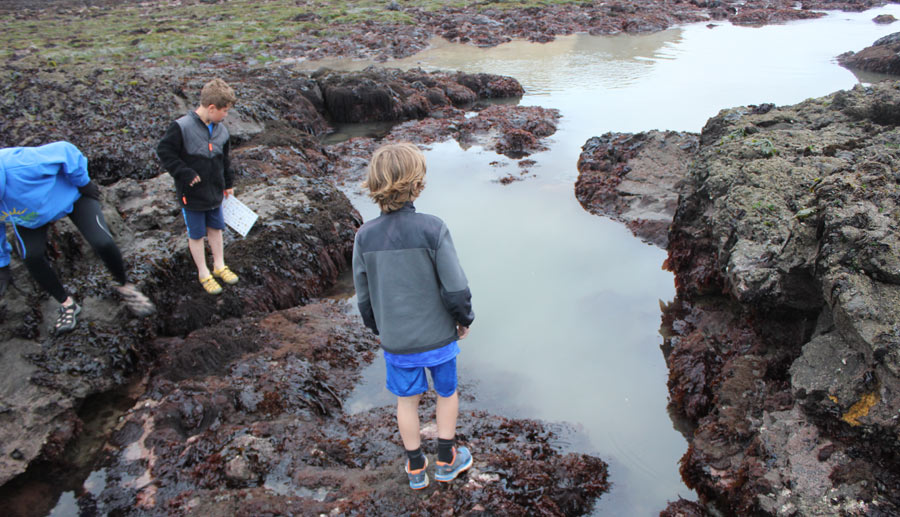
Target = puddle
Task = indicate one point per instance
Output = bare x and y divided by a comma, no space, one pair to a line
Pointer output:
568,304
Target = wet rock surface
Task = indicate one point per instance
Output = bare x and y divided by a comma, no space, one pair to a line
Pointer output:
881,57
378,94
508,129
240,407
785,330
636,178
259,427
277,107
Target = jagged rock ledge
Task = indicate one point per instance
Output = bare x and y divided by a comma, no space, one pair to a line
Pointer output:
881,57
784,339
636,179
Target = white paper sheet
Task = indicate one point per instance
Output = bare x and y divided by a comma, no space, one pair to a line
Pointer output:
238,215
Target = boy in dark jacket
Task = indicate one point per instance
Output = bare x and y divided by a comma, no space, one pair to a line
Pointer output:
413,293
195,152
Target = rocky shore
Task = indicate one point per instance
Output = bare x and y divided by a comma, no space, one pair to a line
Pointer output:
783,342
881,57
785,333
308,30
236,401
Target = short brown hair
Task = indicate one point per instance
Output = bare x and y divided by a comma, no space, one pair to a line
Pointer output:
217,92
396,175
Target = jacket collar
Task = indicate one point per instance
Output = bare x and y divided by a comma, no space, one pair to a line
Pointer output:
407,207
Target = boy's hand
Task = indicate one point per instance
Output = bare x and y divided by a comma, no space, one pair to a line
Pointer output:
229,192
462,331
194,181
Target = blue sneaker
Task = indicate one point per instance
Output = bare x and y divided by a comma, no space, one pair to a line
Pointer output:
462,460
418,479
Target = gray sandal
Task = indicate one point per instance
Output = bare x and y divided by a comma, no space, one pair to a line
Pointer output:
66,321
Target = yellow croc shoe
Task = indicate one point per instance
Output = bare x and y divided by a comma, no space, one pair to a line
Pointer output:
226,275
212,287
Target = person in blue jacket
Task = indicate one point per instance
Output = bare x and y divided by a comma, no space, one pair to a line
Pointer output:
40,185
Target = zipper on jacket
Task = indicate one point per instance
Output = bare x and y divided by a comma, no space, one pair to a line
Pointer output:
22,250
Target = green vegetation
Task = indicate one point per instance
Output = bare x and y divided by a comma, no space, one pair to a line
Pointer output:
764,208
195,32
765,146
734,135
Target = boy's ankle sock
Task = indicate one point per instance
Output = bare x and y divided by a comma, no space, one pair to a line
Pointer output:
445,450
416,459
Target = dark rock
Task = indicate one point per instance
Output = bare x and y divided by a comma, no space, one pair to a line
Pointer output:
684,508
829,375
759,17
881,57
514,131
635,178
379,94
305,361
784,333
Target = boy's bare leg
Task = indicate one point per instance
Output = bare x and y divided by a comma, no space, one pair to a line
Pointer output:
216,245
408,421
198,253
446,413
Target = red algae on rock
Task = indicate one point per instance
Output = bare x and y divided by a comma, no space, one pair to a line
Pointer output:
781,341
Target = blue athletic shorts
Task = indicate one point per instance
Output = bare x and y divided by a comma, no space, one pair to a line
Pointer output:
198,221
406,382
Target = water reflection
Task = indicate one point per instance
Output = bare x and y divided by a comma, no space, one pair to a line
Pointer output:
610,61
567,303
567,307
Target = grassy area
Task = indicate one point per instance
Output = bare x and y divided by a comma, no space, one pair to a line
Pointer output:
161,31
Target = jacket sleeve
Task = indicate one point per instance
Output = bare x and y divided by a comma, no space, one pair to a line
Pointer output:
226,165
454,287
73,163
169,152
361,284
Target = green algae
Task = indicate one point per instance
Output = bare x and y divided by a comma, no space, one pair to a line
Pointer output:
178,33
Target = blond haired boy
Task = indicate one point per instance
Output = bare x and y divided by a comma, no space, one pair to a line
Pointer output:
413,293
195,152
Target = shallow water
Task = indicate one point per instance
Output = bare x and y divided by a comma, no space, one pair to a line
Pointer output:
567,303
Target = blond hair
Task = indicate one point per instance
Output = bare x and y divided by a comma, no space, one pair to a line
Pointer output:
217,92
396,175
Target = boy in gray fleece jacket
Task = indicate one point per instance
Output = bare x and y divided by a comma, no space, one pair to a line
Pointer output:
413,293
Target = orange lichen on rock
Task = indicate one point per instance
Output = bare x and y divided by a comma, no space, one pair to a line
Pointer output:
861,408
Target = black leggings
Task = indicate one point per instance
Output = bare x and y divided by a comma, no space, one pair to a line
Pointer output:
88,218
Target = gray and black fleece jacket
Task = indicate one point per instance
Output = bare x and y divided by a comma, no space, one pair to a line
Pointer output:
188,150
410,287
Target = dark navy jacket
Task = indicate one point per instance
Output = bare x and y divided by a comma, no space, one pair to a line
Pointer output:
410,287
187,150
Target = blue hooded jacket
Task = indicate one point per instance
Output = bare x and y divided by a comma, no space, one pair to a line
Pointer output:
38,185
